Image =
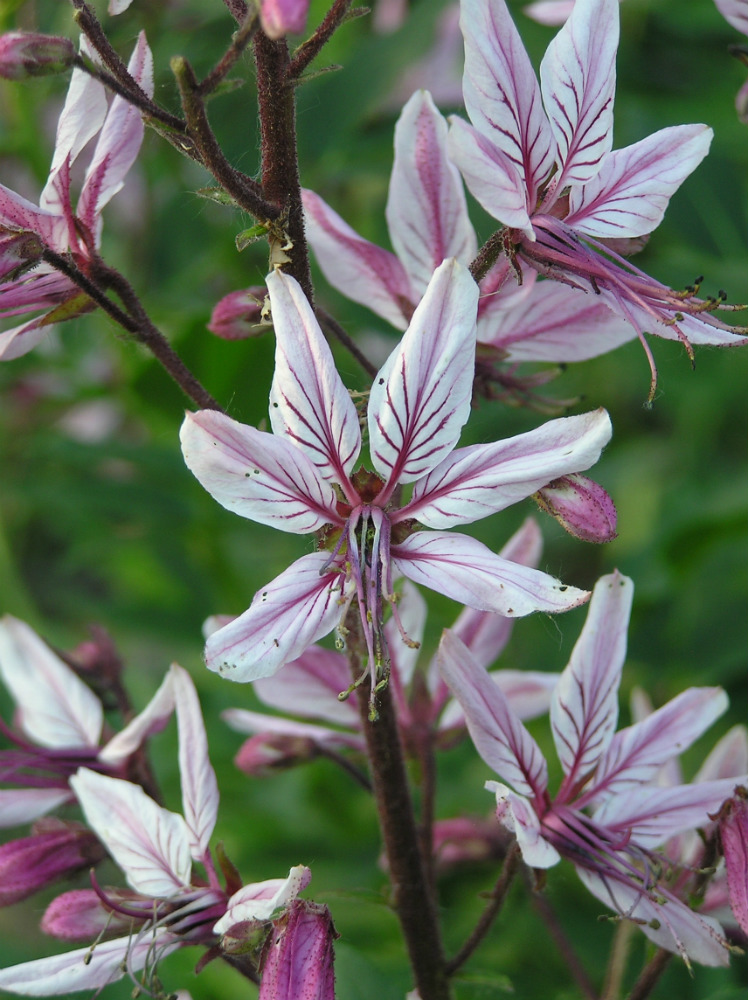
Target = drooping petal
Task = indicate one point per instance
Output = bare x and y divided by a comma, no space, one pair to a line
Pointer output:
150,844
482,479
56,708
499,736
260,900
635,754
244,721
584,709
119,142
421,397
300,606
16,213
359,269
309,686
23,805
518,816
197,777
151,720
578,78
426,209
255,474
467,571
310,407
629,195
490,175
502,95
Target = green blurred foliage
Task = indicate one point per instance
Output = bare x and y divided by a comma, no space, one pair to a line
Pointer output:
107,525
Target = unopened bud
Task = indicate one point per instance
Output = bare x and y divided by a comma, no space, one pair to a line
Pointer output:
281,17
81,915
733,833
18,253
25,53
239,315
265,753
298,957
463,841
581,506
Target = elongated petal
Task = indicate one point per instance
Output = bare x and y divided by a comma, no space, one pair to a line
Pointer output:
498,735
244,721
490,175
421,397
85,968
119,142
18,213
309,405
655,814
426,209
663,918
151,720
467,571
197,777
629,195
728,758
359,269
309,686
584,709
636,753
23,805
736,12
57,709
412,613
518,815
578,78
733,831
255,474
150,844
479,480
300,606
502,95
260,900
528,693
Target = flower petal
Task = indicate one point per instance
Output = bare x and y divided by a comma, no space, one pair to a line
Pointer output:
518,815
197,777
309,686
426,209
421,397
310,407
584,709
151,720
24,805
499,736
57,710
300,606
482,479
578,79
255,474
150,844
260,900
467,571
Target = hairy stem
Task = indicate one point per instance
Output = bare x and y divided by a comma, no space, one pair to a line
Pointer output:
488,254
311,47
239,42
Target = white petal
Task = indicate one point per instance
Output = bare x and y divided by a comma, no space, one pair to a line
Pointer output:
309,686
197,777
255,474
150,844
421,397
24,805
260,900
151,720
57,710
517,814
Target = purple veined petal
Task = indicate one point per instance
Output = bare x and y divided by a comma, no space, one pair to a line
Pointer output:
56,709
735,12
310,407
578,78
86,968
671,925
426,208
655,814
556,323
490,175
19,340
584,709
635,754
119,142
197,777
23,805
293,611
518,816
499,736
244,721
502,95
260,900
629,195
467,571
421,396
412,612
18,213
150,844
360,270
309,686
728,758
255,474
500,292
152,719
528,693
474,482
733,832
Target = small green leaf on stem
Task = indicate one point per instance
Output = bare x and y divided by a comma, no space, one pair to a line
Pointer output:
251,235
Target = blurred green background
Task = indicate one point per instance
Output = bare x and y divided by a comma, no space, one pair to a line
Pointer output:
101,522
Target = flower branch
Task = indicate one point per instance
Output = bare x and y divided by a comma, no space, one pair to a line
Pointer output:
239,42
306,52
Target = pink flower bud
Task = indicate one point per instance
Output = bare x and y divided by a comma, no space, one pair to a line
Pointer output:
298,957
239,314
18,251
264,753
462,840
581,507
55,850
80,915
24,54
733,832
279,17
